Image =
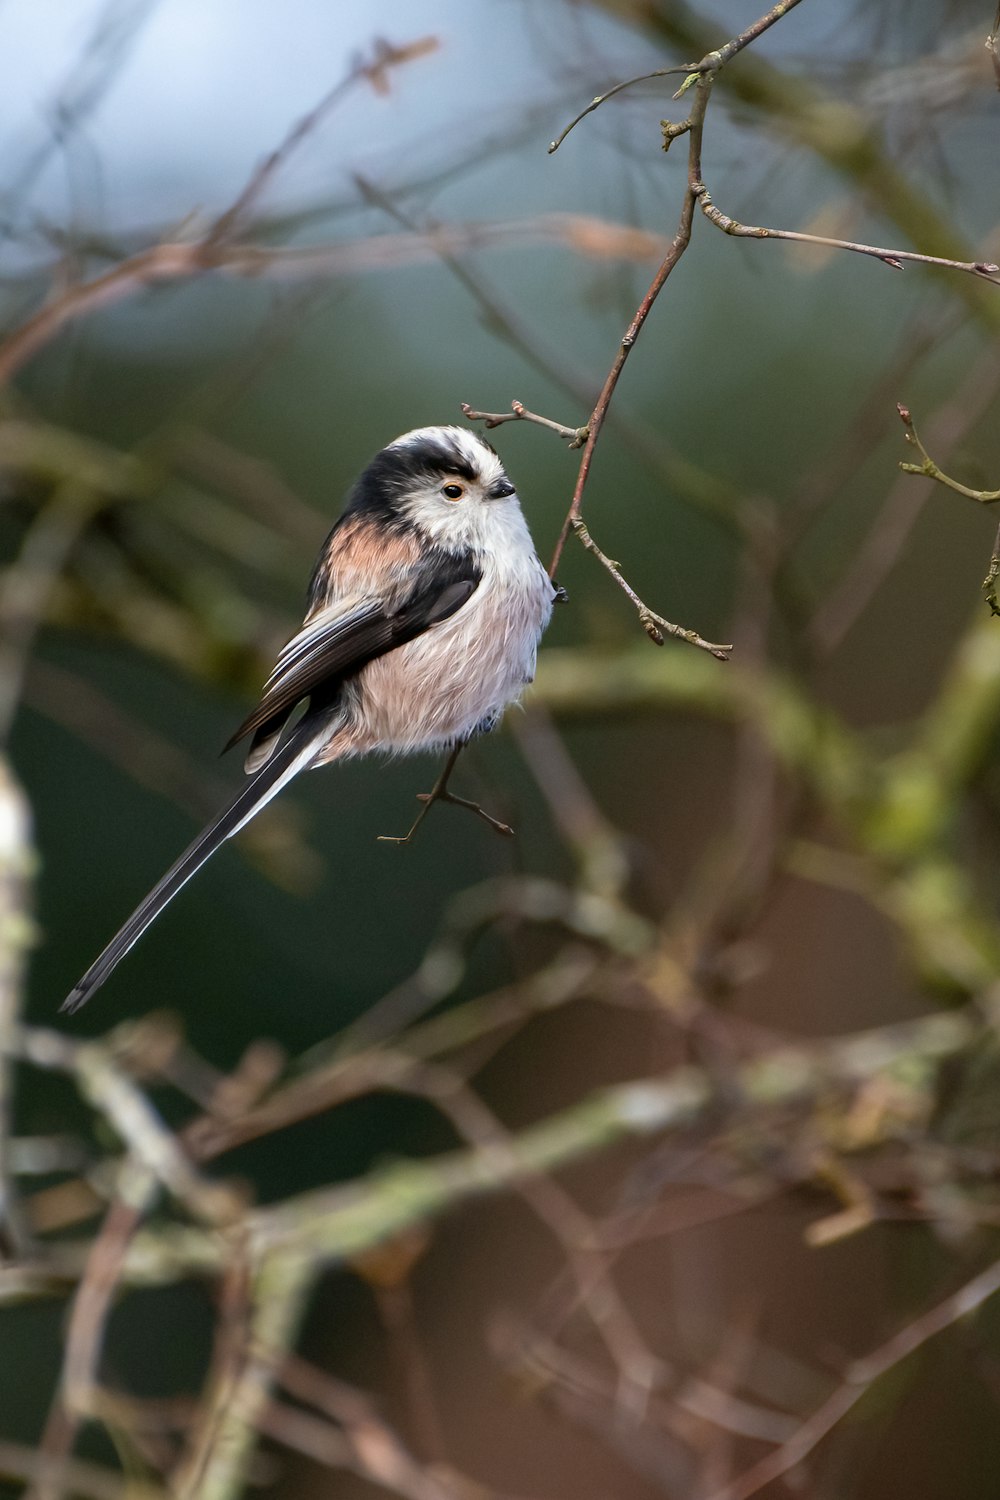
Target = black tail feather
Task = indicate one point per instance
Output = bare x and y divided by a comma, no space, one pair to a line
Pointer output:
291,758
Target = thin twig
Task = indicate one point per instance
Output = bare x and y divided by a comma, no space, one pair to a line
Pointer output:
879,551
88,1480
984,270
672,130
598,415
177,261
701,80
654,625
859,1379
929,470
993,48
216,1467
230,1357
16,933
30,581
709,64
106,1085
990,581
368,1446
599,847
713,61
610,94
576,436
94,1296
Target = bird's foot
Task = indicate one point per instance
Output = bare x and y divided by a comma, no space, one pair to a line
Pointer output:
440,793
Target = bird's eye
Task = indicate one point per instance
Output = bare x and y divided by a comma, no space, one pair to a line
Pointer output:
453,491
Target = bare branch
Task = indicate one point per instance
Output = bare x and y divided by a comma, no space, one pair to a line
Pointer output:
577,436
993,46
859,1380
983,270
654,625
16,934
930,470
679,244
602,98
89,1480
104,1082
182,260
711,63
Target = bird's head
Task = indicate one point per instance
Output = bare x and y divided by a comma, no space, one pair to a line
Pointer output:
448,482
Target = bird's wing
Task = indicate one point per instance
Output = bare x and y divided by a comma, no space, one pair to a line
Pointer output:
339,640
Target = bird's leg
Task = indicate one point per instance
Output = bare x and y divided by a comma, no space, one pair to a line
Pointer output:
440,793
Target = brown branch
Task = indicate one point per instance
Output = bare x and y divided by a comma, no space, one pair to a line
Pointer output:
576,436
989,584
654,625
929,470
699,77
78,1395
216,1466
709,64
679,244
369,1447
713,61
984,270
544,1364
600,848
16,933
30,580
92,1303
105,1084
231,1356
177,261
89,1480
860,1378
374,1448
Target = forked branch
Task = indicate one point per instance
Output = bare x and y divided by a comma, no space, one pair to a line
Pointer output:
929,470
576,436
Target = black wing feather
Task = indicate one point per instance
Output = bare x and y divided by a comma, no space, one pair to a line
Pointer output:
325,653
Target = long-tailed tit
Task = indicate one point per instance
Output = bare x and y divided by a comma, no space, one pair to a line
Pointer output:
424,615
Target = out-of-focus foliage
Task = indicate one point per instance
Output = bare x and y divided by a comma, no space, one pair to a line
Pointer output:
706,1054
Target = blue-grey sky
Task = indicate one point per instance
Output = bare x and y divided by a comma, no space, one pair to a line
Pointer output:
201,91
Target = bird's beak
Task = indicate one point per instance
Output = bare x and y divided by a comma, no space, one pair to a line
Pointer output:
500,490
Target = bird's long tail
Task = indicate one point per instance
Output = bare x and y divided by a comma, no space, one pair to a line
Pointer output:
294,756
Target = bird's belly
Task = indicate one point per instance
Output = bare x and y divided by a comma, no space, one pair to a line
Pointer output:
440,687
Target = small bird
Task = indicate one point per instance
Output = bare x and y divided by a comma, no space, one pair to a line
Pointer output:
424,615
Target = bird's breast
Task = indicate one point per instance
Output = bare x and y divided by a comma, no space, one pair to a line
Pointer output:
439,687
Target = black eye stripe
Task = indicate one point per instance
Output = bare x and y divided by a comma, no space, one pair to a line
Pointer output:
440,461
394,474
